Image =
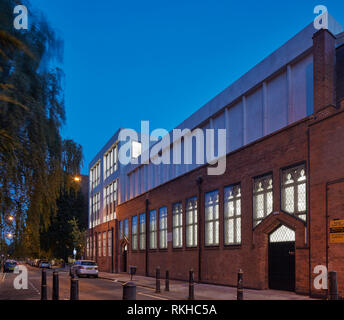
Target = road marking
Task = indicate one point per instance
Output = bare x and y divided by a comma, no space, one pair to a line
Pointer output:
149,295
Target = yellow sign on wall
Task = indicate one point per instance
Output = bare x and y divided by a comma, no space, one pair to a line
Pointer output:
337,231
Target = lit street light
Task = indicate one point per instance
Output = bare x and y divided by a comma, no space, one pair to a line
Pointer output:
9,235
10,218
77,179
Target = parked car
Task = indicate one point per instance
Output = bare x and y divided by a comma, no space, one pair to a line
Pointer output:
84,268
44,264
10,265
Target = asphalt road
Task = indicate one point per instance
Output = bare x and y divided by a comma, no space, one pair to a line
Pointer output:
89,288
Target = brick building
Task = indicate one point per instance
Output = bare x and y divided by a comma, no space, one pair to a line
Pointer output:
270,212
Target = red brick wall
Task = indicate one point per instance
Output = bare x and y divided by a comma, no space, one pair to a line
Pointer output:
326,157
220,264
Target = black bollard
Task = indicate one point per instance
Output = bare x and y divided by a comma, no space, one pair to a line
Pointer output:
55,285
74,289
333,288
167,281
191,285
240,290
157,280
129,291
44,295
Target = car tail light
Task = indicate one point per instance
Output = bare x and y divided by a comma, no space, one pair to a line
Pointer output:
81,267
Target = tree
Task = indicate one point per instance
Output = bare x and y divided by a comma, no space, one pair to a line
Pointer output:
35,162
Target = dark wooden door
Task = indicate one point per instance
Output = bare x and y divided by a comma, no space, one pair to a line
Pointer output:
282,266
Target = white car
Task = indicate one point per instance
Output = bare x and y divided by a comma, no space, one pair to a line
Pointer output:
85,268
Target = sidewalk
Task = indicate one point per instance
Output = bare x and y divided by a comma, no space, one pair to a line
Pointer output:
179,290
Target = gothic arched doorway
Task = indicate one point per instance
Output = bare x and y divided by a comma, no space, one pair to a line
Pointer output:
282,259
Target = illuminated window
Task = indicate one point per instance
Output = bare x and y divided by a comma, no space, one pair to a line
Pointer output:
177,225
88,247
152,230
262,198
142,231
135,149
99,245
191,222
282,234
104,244
120,233
126,228
110,161
232,215
294,191
163,228
110,243
212,218
94,246
134,233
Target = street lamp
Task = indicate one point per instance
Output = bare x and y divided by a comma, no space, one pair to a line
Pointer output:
9,235
77,179
10,218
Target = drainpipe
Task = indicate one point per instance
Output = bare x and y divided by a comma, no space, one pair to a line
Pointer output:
112,251
200,226
117,245
309,213
146,220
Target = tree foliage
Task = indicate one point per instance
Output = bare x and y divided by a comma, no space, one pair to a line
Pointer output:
36,164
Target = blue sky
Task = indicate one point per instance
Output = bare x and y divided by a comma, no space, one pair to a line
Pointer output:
127,61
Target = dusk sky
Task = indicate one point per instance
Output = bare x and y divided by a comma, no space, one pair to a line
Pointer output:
127,61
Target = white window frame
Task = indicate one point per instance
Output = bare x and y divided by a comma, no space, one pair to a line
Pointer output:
153,231
212,219
232,215
134,229
163,228
142,231
177,225
262,188
298,178
191,227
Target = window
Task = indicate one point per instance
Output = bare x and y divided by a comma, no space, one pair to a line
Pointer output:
134,233
163,228
232,215
110,161
88,247
95,175
262,198
212,218
152,230
99,245
120,233
142,231
104,244
294,191
110,199
126,228
177,225
95,207
94,247
110,243
191,222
